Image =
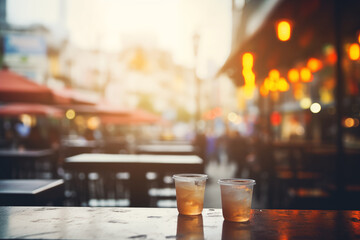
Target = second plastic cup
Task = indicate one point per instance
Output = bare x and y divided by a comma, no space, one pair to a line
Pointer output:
190,189
236,197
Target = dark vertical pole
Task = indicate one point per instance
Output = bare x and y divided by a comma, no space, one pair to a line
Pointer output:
339,95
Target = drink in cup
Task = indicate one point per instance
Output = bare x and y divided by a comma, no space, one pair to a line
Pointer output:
236,196
190,189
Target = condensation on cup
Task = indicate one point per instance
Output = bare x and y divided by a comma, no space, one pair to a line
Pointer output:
236,198
190,189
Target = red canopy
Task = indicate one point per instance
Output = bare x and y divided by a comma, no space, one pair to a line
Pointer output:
99,109
16,88
16,109
135,117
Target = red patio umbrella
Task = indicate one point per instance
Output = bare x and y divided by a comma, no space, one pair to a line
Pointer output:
134,117
99,109
16,109
16,88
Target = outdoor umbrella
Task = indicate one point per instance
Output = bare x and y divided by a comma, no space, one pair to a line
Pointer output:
134,117
99,109
16,88
16,109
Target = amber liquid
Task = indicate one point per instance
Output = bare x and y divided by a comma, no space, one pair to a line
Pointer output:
236,203
190,197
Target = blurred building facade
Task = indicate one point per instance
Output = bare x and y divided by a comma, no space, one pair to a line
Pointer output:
304,101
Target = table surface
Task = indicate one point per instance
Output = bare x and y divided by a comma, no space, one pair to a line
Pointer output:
28,186
79,143
25,153
165,223
166,148
134,158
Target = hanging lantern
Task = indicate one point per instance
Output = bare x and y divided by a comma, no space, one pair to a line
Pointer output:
306,75
283,30
293,75
354,51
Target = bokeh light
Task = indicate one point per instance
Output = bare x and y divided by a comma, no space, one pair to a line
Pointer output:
293,75
315,108
305,103
305,75
70,114
283,30
314,64
354,51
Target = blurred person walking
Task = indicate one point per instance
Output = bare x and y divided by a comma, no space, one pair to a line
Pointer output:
238,149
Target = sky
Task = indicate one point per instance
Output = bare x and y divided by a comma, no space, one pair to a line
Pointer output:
110,24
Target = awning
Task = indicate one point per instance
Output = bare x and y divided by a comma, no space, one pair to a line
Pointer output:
101,108
16,88
134,117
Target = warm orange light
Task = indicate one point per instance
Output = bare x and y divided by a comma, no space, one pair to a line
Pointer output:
293,75
283,30
349,122
305,75
247,60
314,64
274,74
93,123
267,83
282,85
354,51
249,91
264,91
358,37
249,76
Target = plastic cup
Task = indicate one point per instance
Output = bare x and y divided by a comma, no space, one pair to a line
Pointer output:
190,189
236,197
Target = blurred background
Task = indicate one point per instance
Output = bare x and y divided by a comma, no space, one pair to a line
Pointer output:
262,89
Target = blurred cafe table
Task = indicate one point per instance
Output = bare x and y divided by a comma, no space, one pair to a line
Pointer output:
73,147
165,223
166,149
25,163
137,165
31,192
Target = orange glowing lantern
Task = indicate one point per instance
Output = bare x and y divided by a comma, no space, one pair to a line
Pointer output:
314,64
274,74
354,51
282,85
293,75
305,75
247,60
283,30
